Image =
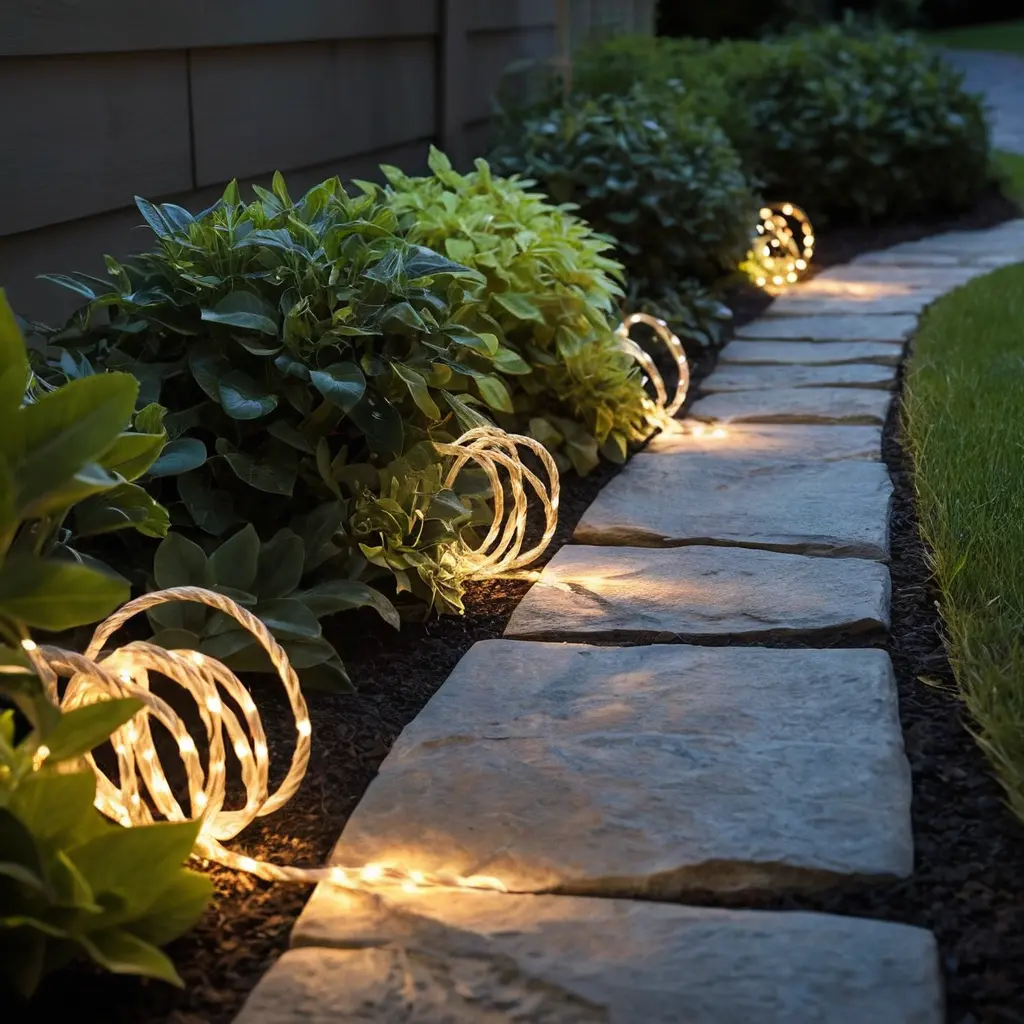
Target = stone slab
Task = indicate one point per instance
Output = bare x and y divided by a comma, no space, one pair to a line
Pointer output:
830,328
796,405
778,442
1004,243
835,509
667,593
797,304
841,375
438,958
809,353
889,280
650,771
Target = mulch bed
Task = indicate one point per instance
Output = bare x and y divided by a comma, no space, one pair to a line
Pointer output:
969,883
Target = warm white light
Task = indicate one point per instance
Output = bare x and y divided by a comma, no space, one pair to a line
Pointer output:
776,255
372,873
304,728
29,645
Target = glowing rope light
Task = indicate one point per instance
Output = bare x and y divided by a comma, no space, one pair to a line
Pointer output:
125,671
662,409
782,247
501,551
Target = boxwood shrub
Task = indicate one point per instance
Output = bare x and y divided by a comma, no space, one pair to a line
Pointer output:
662,180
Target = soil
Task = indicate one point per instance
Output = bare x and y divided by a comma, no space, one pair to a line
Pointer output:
968,887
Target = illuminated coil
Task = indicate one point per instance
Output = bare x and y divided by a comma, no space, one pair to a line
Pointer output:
782,247
141,778
663,409
501,551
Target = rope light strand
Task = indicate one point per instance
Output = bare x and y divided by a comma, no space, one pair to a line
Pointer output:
782,247
501,551
142,781
663,409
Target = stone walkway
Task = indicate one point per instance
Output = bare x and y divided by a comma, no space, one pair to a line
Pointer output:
632,743
1000,77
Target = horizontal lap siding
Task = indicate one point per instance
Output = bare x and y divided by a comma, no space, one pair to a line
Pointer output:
104,26
82,134
491,52
266,108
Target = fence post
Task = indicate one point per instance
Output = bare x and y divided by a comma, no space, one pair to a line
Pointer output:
452,78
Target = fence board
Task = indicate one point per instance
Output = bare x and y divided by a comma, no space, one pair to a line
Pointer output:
29,27
490,53
83,134
258,109
512,14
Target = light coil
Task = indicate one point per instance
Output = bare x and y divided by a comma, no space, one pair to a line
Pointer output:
782,247
662,409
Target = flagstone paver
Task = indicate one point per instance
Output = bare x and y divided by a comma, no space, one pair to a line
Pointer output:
779,442
984,249
839,509
830,328
1000,76
664,593
918,281
757,378
810,353
439,958
653,771
795,405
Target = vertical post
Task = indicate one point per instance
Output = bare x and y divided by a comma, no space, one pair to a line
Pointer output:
452,78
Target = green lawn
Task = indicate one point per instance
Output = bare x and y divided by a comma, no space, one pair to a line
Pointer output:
1010,169
1006,35
964,420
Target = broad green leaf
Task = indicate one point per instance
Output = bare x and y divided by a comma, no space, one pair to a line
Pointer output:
286,617
234,562
243,309
180,456
56,595
340,595
280,565
212,510
208,364
244,399
467,416
328,676
494,393
175,638
122,507
511,362
13,360
23,956
342,384
176,910
129,861
462,250
82,729
270,477
120,952
69,428
417,386
179,562
154,217
381,422
286,433
519,306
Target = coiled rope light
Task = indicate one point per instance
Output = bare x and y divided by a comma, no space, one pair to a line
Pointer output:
501,551
227,711
230,718
783,246
663,409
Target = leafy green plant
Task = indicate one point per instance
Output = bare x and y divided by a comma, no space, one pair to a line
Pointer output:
302,348
864,126
265,578
70,881
551,294
664,182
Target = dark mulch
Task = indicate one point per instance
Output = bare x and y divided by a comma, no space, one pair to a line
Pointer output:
969,883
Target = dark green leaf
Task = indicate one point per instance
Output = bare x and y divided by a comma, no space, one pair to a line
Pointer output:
243,309
244,399
234,562
342,384
181,456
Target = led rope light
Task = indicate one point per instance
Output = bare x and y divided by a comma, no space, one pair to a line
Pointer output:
780,254
664,410
125,671
501,551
